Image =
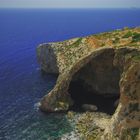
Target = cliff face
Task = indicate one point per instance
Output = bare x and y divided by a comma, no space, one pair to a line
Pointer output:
103,66
47,58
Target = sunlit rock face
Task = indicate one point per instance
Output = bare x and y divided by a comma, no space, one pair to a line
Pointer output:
100,75
91,73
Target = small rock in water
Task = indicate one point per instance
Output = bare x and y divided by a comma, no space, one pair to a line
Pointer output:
89,107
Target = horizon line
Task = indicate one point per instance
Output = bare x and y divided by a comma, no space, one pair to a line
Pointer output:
69,7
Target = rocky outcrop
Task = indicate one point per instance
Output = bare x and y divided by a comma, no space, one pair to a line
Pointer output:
108,65
47,58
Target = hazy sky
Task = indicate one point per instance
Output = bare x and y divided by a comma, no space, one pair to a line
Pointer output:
69,3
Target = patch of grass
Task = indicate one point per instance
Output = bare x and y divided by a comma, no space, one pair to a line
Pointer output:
75,44
128,34
137,58
136,37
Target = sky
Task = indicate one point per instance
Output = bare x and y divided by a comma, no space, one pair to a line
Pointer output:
69,3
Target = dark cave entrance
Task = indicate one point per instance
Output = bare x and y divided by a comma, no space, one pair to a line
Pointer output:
81,96
97,83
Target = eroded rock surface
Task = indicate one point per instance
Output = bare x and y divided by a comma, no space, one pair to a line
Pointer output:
107,64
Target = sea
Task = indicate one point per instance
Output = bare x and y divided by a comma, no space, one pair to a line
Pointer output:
22,83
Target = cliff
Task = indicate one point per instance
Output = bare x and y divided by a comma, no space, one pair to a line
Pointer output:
101,71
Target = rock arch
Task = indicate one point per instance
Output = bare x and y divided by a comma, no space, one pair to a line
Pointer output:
127,64
97,83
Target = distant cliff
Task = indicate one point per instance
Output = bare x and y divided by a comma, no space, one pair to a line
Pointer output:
106,65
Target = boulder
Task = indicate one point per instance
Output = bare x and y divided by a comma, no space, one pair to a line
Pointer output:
89,107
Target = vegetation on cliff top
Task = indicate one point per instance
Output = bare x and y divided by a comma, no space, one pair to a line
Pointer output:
71,50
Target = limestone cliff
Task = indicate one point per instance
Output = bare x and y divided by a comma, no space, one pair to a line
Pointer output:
106,65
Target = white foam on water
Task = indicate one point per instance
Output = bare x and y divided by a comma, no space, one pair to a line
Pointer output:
36,105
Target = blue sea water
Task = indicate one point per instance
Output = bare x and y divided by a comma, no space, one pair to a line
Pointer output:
21,82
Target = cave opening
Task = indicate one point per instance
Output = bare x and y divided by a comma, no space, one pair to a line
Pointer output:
96,85
80,95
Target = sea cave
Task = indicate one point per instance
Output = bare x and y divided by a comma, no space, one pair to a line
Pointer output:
96,83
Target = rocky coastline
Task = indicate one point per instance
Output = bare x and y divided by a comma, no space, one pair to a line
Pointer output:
98,77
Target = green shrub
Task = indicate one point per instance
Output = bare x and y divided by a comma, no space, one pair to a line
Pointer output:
136,37
75,44
128,34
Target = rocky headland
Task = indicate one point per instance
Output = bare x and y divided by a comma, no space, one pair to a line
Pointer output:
99,78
